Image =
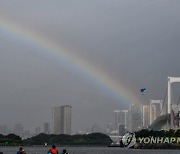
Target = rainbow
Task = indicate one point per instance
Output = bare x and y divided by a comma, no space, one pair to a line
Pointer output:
106,81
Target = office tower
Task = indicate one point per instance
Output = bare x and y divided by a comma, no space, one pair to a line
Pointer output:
56,116
124,118
46,128
146,116
135,113
116,120
62,119
19,130
66,119
155,109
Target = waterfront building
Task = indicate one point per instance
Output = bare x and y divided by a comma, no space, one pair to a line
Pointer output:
124,118
146,116
116,120
135,117
56,117
62,119
66,119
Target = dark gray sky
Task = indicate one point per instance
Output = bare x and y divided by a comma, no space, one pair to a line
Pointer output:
135,42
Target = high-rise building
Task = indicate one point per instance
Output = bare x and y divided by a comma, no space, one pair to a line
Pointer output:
155,109
46,128
56,116
146,116
135,117
62,120
66,119
124,118
120,118
116,120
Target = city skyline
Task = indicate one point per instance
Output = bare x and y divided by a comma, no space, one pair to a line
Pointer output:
137,117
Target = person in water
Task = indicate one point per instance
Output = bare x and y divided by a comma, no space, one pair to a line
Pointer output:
53,150
64,151
21,151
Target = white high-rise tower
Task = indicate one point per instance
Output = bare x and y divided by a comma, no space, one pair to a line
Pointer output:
135,119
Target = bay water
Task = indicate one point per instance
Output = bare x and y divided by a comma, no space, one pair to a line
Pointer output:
89,150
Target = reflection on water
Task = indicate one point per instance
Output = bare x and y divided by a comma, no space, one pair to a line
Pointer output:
87,150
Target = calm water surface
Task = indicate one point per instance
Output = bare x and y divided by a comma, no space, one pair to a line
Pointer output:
87,150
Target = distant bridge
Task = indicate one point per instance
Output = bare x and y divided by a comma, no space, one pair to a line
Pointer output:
169,120
159,122
163,120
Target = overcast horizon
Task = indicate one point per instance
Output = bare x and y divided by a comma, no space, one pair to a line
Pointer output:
78,53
